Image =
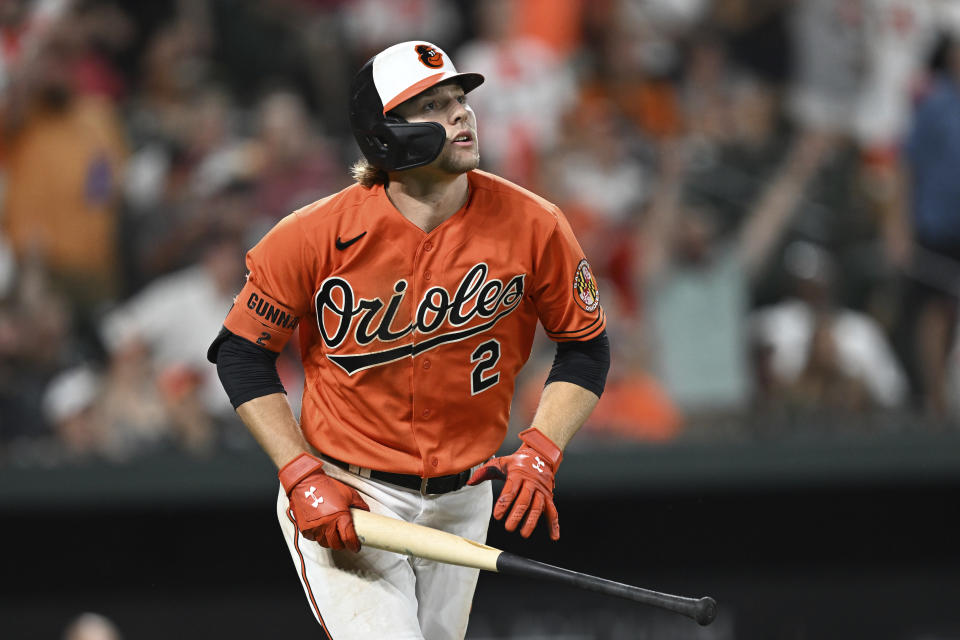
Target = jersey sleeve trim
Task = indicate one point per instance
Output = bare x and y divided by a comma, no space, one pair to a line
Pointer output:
260,318
588,332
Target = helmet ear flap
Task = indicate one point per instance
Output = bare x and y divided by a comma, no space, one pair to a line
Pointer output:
405,145
387,141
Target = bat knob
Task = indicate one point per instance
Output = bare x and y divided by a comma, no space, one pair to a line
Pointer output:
706,611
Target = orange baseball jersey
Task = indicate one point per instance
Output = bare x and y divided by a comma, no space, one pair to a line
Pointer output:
411,340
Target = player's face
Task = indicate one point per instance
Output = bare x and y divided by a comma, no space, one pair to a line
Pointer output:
447,105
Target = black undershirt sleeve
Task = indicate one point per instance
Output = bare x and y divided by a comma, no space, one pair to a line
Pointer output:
246,370
584,364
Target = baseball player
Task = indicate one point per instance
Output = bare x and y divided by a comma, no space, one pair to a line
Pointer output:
416,292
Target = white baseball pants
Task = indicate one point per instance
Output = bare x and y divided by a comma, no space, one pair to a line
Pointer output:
379,595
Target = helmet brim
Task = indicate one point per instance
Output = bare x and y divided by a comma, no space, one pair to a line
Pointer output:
468,81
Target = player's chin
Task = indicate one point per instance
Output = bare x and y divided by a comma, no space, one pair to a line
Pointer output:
471,158
462,163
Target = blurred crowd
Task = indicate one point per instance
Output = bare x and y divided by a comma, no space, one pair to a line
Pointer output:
767,189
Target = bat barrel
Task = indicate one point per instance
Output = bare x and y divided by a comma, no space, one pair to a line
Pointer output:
703,610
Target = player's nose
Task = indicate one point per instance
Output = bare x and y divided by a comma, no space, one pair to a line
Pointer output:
458,112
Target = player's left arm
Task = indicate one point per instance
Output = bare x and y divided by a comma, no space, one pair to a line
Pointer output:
573,388
565,293
563,409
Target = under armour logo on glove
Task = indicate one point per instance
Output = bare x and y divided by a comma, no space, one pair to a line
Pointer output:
328,521
316,500
529,494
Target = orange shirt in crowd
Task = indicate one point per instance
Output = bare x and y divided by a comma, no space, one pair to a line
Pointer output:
634,406
556,24
62,178
651,105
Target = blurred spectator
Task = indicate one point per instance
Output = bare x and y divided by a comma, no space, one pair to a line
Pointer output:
174,68
37,340
160,337
24,26
708,90
929,308
632,68
856,61
600,180
186,147
91,626
70,406
527,89
814,354
734,133
108,34
130,406
293,166
372,25
172,190
62,154
215,154
898,37
757,36
634,405
558,25
697,292
828,51
858,64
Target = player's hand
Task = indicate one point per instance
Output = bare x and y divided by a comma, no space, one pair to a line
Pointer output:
321,504
529,475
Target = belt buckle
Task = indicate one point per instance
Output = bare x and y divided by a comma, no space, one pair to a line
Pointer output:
423,485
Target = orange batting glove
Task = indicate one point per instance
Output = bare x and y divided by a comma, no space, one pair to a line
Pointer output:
530,480
321,504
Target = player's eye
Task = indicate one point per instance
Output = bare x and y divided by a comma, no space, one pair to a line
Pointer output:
430,106
462,99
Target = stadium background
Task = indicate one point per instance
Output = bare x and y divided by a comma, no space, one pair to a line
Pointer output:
765,188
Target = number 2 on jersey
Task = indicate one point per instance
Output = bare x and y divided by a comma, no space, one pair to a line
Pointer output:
486,356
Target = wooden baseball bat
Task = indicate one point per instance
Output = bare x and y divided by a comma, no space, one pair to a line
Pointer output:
391,534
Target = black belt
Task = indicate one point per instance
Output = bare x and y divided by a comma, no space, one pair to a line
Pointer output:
439,484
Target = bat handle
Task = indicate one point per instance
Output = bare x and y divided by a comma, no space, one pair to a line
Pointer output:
703,610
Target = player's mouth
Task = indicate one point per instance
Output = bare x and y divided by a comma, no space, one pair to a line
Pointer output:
462,139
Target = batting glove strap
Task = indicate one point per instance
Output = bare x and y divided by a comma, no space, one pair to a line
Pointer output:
297,469
543,445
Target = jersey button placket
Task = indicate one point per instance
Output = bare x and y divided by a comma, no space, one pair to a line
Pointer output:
422,387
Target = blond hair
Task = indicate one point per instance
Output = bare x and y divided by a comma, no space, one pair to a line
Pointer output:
368,175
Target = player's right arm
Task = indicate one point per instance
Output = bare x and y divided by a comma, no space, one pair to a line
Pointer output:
271,421
257,327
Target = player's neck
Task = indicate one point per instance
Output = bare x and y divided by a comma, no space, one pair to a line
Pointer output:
426,200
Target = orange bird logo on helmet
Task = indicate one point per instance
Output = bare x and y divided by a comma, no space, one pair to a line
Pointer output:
429,56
